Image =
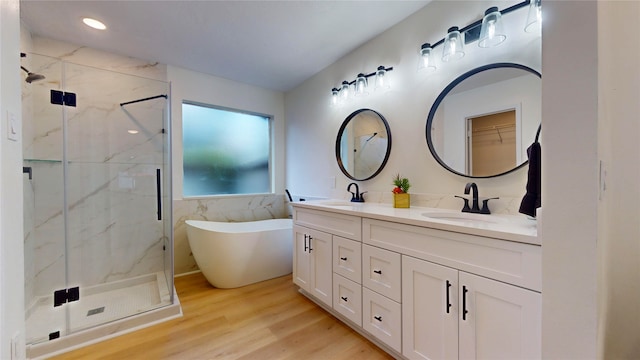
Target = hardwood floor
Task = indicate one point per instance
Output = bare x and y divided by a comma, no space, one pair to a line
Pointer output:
268,320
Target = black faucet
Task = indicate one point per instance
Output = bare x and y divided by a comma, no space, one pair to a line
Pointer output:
475,206
357,196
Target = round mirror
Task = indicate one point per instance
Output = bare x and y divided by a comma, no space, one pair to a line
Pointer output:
363,144
482,123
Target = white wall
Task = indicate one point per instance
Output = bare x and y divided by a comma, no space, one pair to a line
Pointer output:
569,225
11,231
312,124
212,90
619,237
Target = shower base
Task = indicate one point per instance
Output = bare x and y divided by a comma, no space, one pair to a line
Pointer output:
103,311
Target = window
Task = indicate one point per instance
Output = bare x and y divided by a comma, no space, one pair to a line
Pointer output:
224,151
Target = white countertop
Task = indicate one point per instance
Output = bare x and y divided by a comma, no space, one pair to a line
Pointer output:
516,228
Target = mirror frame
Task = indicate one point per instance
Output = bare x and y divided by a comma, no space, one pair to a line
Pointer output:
341,131
446,91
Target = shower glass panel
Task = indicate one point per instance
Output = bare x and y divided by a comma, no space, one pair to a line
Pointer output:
112,181
44,243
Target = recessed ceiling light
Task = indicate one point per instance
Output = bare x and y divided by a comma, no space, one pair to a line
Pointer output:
133,132
94,23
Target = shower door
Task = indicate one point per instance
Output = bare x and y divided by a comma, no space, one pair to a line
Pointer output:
113,173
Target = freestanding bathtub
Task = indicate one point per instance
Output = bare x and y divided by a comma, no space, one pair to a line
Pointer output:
235,254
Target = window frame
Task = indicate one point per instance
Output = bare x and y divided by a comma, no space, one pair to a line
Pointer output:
270,156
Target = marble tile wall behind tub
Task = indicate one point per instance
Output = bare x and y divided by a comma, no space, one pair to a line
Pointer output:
227,209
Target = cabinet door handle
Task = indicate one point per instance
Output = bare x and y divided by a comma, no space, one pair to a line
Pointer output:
448,299
343,258
379,272
343,298
158,193
464,302
305,242
379,318
310,244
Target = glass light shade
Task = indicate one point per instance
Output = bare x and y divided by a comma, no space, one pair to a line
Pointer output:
426,60
491,32
361,85
534,18
382,79
345,90
453,48
335,96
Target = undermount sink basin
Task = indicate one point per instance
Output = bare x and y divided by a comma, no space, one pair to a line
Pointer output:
464,217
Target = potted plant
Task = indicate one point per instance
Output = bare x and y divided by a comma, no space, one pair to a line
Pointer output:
401,192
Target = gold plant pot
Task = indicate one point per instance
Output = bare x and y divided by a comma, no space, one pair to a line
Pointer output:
401,200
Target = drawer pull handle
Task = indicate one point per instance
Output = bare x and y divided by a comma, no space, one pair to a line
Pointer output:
379,318
448,300
379,272
343,258
310,249
305,242
464,302
343,298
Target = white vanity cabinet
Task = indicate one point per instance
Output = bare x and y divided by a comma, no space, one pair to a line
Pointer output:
347,278
314,233
423,290
451,314
382,309
312,263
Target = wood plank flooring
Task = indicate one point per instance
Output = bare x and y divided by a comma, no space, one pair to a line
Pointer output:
268,320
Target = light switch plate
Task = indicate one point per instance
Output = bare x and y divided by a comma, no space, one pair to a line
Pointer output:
13,127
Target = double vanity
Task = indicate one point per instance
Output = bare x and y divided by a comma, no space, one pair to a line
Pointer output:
423,283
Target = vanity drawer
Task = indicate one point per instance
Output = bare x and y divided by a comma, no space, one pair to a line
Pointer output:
347,226
506,261
347,298
381,317
381,271
347,258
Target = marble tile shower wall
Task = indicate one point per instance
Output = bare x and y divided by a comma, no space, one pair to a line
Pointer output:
112,228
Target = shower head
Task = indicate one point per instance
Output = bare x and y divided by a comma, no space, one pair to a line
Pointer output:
31,77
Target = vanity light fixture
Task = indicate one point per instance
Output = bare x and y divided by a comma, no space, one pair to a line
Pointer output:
335,93
361,85
487,31
426,61
534,18
96,24
382,80
453,45
358,87
491,32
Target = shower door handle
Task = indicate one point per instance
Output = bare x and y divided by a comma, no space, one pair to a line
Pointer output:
158,194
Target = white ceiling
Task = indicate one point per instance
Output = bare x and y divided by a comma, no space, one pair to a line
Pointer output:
271,44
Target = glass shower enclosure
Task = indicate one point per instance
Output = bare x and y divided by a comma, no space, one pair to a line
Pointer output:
97,185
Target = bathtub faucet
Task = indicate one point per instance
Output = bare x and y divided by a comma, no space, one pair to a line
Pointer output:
357,196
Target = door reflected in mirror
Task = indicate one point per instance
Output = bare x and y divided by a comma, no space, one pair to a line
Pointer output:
482,123
363,144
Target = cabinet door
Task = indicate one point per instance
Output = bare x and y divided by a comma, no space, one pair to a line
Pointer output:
381,317
321,274
347,258
497,320
429,310
301,258
347,298
381,271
